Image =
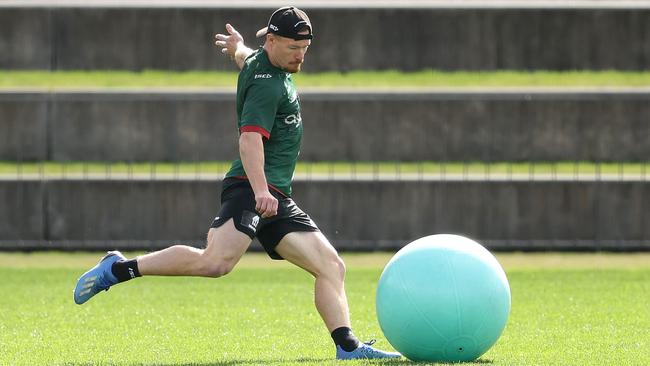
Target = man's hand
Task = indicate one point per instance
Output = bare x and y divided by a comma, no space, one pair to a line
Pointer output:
265,204
229,43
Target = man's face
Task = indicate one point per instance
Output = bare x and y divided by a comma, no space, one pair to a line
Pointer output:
286,53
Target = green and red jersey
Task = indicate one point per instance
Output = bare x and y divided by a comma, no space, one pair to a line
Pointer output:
267,103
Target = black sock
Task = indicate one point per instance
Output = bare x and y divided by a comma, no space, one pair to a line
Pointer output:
125,270
344,337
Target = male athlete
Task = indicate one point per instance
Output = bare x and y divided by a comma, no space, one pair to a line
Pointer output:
256,197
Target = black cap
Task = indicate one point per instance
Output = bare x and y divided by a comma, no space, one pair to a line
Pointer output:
287,22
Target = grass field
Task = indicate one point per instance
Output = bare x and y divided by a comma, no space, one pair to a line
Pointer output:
567,309
576,169
355,79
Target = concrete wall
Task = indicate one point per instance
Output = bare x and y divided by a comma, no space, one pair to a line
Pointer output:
117,127
377,215
22,212
467,126
463,126
63,38
24,126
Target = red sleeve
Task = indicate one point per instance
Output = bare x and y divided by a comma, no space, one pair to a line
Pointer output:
257,129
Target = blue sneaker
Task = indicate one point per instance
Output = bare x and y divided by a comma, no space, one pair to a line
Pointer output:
364,351
97,278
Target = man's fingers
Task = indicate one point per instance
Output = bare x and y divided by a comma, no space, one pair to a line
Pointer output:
231,29
228,43
272,208
267,213
260,206
267,210
267,206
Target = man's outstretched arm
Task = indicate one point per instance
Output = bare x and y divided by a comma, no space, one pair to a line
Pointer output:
233,45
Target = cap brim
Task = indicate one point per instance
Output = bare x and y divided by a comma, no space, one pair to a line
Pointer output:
262,32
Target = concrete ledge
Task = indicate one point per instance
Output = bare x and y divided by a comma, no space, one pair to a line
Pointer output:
354,215
446,37
497,125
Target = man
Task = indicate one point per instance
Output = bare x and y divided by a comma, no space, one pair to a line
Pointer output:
256,197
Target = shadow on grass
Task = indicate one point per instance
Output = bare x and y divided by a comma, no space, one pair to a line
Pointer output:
317,360
403,361
249,362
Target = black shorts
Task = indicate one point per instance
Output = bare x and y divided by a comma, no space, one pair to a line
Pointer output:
238,203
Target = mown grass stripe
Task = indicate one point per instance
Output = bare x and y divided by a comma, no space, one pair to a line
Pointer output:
359,79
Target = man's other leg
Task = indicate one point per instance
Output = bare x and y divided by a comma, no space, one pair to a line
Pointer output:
225,246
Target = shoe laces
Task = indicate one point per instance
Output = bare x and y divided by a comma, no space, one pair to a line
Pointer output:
369,350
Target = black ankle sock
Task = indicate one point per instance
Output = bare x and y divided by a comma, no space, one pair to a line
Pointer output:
125,270
344,337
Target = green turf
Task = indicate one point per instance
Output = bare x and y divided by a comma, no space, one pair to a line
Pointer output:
219,167
566,310
363,79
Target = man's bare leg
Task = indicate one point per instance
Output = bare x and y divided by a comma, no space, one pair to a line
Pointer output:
313,252
225,247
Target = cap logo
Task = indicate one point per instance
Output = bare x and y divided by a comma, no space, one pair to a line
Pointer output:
274,28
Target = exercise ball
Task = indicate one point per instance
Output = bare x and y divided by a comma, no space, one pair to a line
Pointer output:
443,298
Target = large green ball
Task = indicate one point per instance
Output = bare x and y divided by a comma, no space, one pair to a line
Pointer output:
443,298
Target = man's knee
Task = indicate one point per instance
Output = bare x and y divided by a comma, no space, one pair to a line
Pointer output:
211,264
333,267
216,268
225,246
340,266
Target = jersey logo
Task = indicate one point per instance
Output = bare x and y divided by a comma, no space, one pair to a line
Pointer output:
263,76
293,119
